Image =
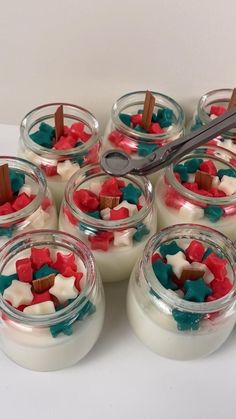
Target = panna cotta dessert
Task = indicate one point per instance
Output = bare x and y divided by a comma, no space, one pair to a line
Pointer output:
128,131
211,105
114,217
201,189
52,302
25,201
59,138
181,294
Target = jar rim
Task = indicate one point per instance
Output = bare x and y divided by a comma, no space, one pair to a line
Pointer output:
71,309
172,298
198,153
22,165
119,106
77,179
53,153
202,103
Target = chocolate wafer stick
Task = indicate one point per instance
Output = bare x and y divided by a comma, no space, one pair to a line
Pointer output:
232,102
149,104
191,274
59,123
204,180
5,184
109,201
43,284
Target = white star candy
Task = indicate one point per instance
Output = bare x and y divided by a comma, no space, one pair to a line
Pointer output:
124,238
131,207
18,293
208,275
95,187
105,213
215,182
66,169
63,288
228,185
178,262
47,307
191,212
26,189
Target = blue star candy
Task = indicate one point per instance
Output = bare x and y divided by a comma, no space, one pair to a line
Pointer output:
196,290
163,272
141,231
131,193
169,249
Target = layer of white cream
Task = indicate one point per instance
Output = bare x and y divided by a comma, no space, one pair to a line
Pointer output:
158,330
117,263
36,349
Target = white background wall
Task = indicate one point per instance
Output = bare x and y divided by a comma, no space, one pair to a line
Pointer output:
92,52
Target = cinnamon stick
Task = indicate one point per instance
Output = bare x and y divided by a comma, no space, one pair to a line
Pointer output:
59,123
5,184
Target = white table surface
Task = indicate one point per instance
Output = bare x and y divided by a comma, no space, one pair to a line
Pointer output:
120,378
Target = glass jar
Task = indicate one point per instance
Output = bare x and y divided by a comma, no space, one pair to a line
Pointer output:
54,341
183,201
59,165
218,100
140,144
124,239
39,211
166,322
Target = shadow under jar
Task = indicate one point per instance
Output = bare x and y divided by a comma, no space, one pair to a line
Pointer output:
58,326
79,146
211,105
178,317
200,188
124,131
116,235
31,206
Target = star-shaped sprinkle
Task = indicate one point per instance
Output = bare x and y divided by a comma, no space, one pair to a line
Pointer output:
196,290
6,281
26,189
185,320
47,307
178,263
169,249
95,187
132,208
141,231
124,238
228,185
66,169
64,288
131,193
105,213
19,293
163,272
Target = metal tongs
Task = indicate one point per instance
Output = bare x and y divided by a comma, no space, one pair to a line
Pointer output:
118,163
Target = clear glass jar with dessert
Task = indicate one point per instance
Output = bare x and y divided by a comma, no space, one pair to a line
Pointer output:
181,294
51,300
114,216
211,105
124,131
28,204
200,188
78,145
